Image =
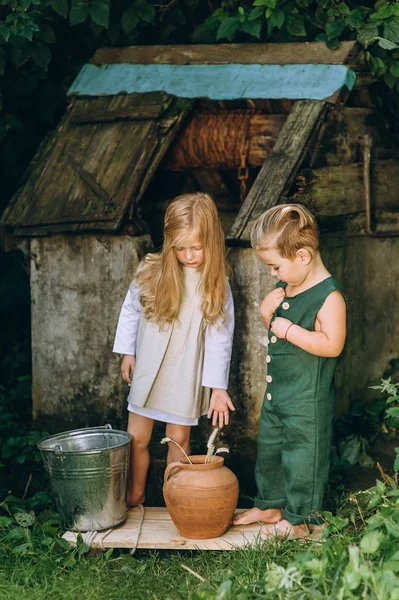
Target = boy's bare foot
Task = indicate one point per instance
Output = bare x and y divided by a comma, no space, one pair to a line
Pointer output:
135,499
285,529
256,515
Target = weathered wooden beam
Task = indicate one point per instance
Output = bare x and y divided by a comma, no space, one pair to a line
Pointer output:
339,191
104,116
212,54
218,82
279,168
168,133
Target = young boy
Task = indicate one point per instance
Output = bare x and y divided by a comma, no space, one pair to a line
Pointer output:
306,320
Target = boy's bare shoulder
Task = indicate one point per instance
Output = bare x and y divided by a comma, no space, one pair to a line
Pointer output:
335,301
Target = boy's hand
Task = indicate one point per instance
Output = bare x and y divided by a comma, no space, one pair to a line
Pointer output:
270,303
127,367
219,406
279,326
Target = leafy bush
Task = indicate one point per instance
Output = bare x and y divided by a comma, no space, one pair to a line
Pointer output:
43,43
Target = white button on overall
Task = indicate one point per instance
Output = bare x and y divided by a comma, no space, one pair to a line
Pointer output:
285,305
268,358
273,339
269,378
269,396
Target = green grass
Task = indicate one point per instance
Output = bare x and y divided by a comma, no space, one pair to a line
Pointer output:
359,558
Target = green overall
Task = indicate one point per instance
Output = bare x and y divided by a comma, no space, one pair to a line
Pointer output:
295,429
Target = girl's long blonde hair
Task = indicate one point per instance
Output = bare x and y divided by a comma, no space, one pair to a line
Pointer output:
160,275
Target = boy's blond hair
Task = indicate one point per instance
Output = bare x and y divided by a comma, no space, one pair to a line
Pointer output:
160,275
287,228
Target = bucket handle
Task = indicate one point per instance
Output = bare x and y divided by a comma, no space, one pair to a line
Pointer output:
175,467
58,452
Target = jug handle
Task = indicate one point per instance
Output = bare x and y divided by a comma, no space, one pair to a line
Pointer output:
172,466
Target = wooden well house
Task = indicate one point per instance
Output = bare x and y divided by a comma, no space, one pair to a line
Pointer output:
254,125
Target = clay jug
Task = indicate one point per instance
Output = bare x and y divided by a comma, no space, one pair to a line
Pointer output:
201,498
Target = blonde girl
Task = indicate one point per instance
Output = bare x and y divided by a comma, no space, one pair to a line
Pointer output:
306,321
175,331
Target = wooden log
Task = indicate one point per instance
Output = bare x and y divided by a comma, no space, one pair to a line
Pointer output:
280,167
338,191
168,129
215,140
85,116
262,54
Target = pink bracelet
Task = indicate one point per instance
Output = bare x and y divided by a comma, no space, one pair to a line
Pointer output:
288,328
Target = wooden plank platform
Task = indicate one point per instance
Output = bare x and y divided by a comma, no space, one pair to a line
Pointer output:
158,532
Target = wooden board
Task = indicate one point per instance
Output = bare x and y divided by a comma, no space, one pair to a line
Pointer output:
250,54
217,82
279,168
159,532
92,169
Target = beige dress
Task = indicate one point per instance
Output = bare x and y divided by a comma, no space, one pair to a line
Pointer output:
176,394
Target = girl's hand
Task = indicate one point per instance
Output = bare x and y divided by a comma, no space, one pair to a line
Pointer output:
127,367
270,303
279,326
219,406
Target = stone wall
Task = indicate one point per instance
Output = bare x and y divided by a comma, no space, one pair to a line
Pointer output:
368,270
79,282
77,286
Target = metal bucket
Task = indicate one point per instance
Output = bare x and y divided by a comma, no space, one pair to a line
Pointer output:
88,475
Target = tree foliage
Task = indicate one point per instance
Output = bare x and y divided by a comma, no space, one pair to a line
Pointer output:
43,43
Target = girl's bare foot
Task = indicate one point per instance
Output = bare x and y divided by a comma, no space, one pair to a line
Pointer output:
285,529
256,515
135,499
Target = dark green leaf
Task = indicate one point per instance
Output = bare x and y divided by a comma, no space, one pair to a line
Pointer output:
46,34
385,12
41,54
390,80
374,501
5,32
130,18
256,13
333,12
391,31
60,7
295,25
367,34
355,19
228,27
147,12
206,32
396,464
79,13
261,3
5,522
335,28
99,12
252,27
27,31
20,54
276,19
394,69
343,8
377,65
